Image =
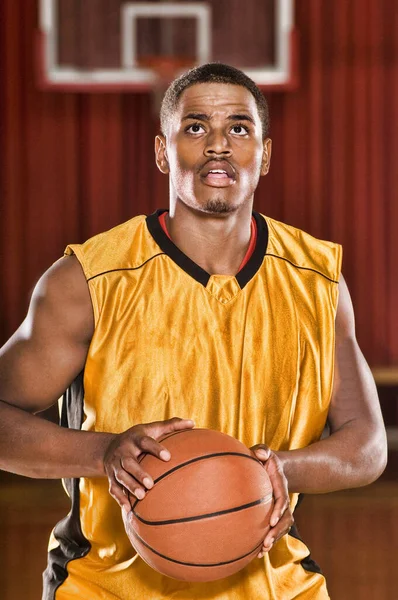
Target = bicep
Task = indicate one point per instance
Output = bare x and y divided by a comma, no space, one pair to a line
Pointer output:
354,396
49,349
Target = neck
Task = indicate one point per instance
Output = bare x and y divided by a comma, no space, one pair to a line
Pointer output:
217,243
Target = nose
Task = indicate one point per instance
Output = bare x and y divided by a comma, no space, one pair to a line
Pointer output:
217,143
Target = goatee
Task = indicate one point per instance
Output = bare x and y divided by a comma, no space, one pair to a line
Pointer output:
218,206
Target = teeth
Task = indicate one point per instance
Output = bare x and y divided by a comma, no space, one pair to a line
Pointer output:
218,171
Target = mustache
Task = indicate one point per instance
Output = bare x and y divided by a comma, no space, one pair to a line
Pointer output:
213,160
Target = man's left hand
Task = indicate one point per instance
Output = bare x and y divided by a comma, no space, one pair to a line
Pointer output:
281,518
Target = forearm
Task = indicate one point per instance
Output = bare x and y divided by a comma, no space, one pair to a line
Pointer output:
37,448
349,458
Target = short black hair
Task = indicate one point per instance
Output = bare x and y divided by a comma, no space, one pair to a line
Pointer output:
211,73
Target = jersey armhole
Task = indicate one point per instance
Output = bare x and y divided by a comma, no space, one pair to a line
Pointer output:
75,250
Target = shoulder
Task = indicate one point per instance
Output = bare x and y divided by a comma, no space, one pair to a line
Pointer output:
304,251
126,246
345,320
61,297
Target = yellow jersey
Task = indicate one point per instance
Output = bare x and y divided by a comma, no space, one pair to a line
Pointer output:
250,355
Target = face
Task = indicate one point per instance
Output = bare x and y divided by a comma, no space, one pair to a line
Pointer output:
214,149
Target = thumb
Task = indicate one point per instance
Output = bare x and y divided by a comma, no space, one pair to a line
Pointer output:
261,451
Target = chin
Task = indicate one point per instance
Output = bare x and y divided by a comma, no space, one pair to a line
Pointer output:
218,206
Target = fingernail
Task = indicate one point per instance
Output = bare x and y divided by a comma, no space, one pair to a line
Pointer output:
165,455
262,453
148,482
190,422
140,494
274,521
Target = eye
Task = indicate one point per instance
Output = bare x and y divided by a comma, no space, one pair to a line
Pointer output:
195,128
240,130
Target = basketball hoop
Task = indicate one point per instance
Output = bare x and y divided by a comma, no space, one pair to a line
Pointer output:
165,69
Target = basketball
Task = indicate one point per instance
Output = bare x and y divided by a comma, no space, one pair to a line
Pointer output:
207,514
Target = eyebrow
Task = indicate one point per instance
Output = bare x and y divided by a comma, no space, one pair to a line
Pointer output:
206,117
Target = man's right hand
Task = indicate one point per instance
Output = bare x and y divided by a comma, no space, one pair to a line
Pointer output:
121,458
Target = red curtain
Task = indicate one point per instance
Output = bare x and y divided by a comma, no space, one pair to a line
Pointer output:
73,165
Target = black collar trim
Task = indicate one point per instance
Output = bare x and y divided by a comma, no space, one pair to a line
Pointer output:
256,259
194,270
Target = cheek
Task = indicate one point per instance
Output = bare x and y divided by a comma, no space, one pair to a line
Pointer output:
181,175
251,167
178,158
248,154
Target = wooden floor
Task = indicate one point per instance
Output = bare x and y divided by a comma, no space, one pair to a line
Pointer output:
353,536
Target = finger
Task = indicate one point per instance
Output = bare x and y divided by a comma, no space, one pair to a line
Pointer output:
131,466
279,487
160,428
280,507
128,482
267,545
261,452
279,531
149,445
117,493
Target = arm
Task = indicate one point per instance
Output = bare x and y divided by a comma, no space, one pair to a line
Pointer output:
355,453
37,364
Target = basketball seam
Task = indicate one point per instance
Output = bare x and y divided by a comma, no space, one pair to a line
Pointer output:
193,460
166,437
262,500
199,458
187,564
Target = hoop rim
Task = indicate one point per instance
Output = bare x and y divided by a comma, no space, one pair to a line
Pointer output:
166,67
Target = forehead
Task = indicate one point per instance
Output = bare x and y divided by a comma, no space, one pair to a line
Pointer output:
217,97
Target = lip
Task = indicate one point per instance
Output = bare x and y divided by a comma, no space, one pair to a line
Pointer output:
217,179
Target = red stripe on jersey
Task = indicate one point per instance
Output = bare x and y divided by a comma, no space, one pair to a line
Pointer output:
252,244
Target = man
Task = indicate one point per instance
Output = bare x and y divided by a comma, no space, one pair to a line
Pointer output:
211,311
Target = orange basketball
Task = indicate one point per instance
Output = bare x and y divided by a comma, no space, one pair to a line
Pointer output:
207,514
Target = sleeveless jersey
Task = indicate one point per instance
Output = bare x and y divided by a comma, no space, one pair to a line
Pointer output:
250,355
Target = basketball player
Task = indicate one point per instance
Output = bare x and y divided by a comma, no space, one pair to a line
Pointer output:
208,310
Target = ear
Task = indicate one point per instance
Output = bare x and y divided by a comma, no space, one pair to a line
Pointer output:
161,154
266,160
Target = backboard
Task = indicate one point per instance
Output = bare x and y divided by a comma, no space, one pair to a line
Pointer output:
105,45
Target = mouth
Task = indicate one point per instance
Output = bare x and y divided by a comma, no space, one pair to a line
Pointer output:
218,173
